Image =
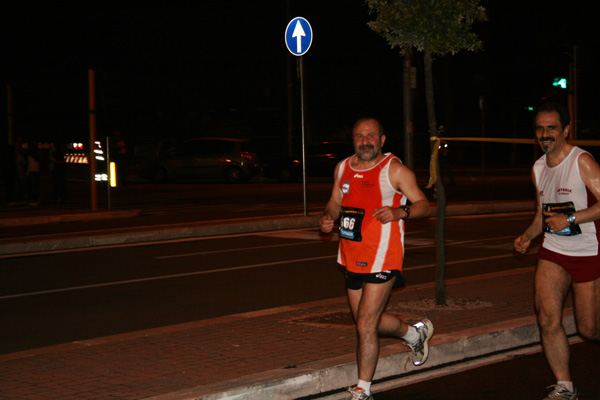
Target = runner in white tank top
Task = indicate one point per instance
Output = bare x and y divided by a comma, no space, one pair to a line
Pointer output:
561,184
567,180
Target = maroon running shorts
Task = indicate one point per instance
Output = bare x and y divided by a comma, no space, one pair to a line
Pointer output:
582,269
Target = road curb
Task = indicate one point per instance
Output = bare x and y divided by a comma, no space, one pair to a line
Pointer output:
330,376
203,229
83,216
158,234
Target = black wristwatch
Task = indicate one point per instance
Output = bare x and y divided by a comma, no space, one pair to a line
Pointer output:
571,219
406,210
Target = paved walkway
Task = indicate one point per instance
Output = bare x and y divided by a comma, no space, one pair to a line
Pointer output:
282,353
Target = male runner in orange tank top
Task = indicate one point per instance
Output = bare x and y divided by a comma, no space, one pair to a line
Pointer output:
369,197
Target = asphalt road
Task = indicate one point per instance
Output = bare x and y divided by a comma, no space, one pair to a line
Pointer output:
55,298
524,376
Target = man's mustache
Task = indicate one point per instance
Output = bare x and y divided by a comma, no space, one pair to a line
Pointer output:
547,139
366,147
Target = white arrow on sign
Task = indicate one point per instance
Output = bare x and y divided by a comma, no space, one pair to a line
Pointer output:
298,33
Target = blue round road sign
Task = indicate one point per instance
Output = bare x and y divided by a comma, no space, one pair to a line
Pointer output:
298,36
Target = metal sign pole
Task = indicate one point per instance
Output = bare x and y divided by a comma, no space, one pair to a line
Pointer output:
303,136
298,38
92,155
108,171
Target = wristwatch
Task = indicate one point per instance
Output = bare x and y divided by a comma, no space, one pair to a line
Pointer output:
407,211
571,219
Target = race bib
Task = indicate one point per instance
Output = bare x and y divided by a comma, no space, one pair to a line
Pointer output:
351,222
561,208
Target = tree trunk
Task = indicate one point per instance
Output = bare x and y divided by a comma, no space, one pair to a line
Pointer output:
440,227
408,113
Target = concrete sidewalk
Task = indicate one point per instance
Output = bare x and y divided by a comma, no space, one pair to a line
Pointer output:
282,353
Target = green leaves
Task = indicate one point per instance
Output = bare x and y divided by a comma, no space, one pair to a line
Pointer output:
444,26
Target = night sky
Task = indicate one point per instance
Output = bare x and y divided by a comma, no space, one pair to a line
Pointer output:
177,69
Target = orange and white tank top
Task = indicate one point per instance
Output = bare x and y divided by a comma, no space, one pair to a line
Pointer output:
366,245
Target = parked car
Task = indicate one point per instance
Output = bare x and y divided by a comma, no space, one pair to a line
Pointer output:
322,158
205,159
284,169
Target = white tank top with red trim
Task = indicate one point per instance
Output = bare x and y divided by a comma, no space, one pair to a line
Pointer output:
561,184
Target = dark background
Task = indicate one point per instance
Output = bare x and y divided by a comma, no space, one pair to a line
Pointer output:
173,69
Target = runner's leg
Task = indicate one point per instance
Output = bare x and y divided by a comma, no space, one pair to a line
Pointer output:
587,308
367,306
552,284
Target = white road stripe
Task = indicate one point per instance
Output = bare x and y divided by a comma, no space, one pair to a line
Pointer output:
410,244
242,267
465,261
156,278
232,250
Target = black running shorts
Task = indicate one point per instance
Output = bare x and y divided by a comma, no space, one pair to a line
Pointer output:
355,281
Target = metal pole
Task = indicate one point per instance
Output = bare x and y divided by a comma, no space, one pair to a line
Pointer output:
9,106
92,157
290,93
108,172
573,88
408,111
303,143
482,106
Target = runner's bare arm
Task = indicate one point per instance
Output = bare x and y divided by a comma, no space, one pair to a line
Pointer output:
590,174
404,180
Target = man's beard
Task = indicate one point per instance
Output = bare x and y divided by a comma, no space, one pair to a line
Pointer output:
367,157
546,142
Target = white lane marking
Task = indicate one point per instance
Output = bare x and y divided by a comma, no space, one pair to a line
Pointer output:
411,243
156,278
465,261
467,242
310,234
232,250
229,269
314,237
125,245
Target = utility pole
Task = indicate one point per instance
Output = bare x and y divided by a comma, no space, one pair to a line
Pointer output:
91,156
409,127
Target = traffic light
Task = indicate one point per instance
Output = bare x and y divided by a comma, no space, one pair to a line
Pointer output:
560,82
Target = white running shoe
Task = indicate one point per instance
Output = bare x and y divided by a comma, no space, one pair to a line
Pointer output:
560,392
359,394
420,349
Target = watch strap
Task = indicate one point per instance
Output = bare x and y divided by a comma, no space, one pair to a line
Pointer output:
406,210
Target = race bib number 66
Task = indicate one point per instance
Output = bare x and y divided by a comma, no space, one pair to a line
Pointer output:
350,223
